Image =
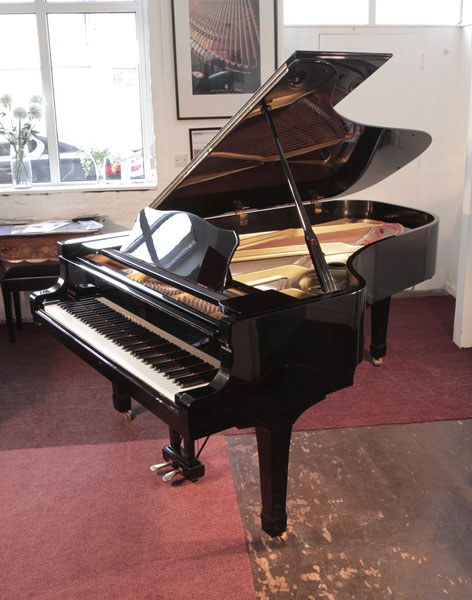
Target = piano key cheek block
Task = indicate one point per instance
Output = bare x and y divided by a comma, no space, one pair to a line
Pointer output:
239,297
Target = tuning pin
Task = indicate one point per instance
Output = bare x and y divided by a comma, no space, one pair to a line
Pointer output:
170,475
154,468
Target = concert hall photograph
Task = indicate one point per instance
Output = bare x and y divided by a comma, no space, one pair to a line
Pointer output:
236,299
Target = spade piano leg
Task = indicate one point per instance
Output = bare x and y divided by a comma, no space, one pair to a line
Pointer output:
273,445
122,402
379,325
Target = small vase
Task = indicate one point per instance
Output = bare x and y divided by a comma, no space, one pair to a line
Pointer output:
21,168
100,172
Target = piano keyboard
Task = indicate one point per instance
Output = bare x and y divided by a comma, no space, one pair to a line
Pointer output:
159,359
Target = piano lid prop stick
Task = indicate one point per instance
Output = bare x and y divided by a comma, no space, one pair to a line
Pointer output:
316,254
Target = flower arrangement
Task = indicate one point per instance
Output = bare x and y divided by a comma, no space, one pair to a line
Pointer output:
16,126
96,158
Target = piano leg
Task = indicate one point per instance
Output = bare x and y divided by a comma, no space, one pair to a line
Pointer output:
273,445
379,325
122,402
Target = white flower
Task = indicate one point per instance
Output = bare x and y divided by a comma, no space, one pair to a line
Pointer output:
36,99
20,113
6,100
35,111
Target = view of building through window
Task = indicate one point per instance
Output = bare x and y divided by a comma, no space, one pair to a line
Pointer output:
92,127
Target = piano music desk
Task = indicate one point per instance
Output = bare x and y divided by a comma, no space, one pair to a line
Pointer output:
29,262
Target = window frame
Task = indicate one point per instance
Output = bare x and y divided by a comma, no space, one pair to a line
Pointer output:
41,9
372,20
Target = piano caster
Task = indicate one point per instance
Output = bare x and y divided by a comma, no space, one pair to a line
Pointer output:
127,414
376,362
281,540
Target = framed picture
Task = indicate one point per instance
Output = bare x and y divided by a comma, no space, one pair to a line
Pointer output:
224,51
200,137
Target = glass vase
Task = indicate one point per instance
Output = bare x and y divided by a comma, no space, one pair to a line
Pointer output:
20,163
100,171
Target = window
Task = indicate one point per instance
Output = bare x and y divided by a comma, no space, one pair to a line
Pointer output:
322,12
418,12
88,60
373,12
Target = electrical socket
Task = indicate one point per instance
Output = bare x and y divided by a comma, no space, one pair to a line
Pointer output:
181,160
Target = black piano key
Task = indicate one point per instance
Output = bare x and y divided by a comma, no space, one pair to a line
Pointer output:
140,343
149,349
186,368
108,329
130,335
204,375
159,362
159,350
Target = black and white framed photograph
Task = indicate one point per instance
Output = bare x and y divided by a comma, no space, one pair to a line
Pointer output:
199,138
224,51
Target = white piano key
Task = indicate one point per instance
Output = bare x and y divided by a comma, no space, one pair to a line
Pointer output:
135,366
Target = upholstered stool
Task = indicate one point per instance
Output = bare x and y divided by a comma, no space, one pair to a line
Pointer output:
28,277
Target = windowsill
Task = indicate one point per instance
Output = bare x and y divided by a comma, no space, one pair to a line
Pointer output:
48,189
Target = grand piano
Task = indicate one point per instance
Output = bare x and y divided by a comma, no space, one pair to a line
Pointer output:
238,298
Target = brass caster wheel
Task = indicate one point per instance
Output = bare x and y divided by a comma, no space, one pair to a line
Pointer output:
376,362
127,414
281,540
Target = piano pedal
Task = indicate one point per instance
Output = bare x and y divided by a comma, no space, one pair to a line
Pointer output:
171,474
160,466
377,362
128,415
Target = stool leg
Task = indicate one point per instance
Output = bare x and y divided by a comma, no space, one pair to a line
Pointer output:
8,315
16,302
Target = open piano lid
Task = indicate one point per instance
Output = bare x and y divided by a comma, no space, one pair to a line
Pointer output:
327,153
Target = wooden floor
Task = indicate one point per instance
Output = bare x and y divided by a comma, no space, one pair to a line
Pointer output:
374,512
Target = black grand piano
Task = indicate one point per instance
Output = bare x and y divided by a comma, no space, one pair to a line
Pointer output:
238,298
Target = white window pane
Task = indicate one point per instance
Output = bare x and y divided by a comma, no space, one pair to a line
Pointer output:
466,12
76,1
324,12
20,78
96,87
418,12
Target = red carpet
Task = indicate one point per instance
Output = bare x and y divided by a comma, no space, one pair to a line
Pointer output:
92,522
